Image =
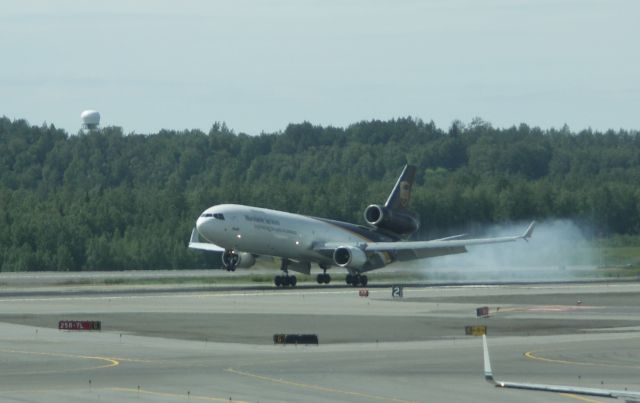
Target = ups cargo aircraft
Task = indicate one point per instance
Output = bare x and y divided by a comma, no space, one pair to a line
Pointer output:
243,233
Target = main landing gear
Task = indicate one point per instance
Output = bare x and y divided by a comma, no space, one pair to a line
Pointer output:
323,278
286,280
356,279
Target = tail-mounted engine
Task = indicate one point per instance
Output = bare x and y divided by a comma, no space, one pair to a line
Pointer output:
398,222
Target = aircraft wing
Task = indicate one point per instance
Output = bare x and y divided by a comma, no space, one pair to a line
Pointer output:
421,249
629,396
194,243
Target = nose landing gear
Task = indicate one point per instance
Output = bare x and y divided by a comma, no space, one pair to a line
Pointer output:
230,260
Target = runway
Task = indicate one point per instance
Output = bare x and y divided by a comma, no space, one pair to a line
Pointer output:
217,345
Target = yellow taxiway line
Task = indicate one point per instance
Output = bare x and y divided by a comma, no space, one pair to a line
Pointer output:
317,387
532,355
584,399
110,361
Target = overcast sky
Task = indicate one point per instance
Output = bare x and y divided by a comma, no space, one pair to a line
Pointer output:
258,65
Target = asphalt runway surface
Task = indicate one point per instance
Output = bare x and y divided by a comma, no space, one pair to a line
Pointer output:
218,345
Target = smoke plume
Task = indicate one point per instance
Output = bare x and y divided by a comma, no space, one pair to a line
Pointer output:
557,251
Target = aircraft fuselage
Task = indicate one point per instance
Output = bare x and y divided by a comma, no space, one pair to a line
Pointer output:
268,232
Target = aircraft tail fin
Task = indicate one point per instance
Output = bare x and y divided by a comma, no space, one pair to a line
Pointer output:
399,197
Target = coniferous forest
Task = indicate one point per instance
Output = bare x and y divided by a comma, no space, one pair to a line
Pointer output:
106,200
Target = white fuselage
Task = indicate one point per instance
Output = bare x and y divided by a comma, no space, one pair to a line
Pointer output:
267,232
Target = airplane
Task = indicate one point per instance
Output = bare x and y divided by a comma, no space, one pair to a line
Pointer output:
627,395
243,233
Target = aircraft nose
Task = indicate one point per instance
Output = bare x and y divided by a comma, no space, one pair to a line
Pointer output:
201,223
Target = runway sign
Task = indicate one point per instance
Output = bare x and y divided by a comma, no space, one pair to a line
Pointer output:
396,291
86,325
363,292
295,339
482,312
475,330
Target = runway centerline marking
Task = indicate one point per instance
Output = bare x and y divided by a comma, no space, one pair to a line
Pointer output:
316,387
533,356
110,361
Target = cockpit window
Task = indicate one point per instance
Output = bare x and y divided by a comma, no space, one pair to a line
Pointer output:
218,216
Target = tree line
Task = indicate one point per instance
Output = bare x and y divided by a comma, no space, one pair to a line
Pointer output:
105,200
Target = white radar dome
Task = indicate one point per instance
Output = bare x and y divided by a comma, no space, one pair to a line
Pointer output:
90,119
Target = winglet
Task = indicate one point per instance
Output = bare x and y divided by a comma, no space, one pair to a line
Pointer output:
488,373
527,234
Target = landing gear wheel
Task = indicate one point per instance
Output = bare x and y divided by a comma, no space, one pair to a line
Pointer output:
355,280
363,280
285,281
323,278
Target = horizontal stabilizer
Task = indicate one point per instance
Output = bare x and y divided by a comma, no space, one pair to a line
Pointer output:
194,243
488,376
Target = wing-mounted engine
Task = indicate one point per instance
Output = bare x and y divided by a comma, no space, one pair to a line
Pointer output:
232,260
349,256
398,222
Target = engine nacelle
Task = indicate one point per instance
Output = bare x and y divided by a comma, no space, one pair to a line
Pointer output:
246,260
399,222
232,260
348,256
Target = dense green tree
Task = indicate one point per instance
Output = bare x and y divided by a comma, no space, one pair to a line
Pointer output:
108,200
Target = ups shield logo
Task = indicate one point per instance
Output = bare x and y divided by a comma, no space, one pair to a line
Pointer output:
405,194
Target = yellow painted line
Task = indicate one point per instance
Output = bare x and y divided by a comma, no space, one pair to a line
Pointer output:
175,395
138,360
584,399
110,361
532,355
317,387
131,391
